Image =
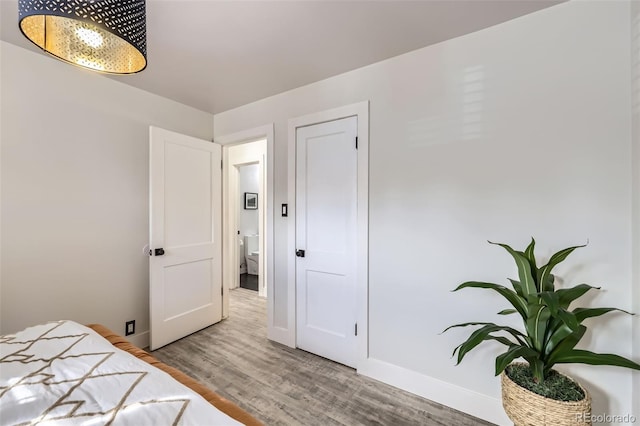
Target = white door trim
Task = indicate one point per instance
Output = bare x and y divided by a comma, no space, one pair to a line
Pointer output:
361,111
249,135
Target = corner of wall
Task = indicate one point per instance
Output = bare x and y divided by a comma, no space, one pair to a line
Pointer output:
2,101
141,340
635,186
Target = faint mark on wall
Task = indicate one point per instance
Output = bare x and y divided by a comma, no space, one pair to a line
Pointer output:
473,102
427,131
457,116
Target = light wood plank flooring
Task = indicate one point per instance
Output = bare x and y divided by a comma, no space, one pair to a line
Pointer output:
284,386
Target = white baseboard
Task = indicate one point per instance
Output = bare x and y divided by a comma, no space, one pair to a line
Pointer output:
141,340
456,397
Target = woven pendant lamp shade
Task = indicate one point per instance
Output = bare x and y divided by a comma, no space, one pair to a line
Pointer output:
102,35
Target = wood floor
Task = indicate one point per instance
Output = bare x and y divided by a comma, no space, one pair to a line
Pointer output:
284,386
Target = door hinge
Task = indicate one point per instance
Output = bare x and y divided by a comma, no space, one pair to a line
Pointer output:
221,291
221,165
356,142
356,329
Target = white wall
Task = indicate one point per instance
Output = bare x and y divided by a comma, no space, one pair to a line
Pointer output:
635,137
521,129
75,192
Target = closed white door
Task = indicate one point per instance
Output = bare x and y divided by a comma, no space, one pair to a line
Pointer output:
326,214
185,235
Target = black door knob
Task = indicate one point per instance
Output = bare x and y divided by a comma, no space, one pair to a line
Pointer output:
300,253
159,251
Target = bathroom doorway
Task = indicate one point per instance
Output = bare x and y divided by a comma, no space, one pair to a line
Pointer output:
245,199
248,220
262,137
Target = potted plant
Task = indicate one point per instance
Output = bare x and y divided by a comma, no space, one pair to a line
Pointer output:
532,392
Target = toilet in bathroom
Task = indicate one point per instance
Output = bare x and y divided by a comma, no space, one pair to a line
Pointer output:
251,253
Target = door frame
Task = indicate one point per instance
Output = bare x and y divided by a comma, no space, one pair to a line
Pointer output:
361,111
229,237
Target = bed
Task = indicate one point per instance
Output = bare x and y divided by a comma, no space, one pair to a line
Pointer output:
64,373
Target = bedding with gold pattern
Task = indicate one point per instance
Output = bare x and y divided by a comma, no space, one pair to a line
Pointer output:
64,373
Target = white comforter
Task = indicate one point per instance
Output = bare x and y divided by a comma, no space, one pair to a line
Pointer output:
63,373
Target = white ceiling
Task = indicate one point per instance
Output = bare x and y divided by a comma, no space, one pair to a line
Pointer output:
217,55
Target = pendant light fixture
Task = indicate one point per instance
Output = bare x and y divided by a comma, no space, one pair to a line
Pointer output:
102,35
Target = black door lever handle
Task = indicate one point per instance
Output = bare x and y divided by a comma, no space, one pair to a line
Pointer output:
159,251
300,253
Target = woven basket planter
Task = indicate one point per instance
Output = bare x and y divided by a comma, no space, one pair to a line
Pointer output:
526,408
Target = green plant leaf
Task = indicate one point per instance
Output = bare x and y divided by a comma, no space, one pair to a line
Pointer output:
529,254
516,333
569,319
537,368
592,358
561,327
517,287
512,353
516,301
552,300
507,312
564,345
560,332
568,295
544,272
529,288
537,325
482,334
584,313
547,285
465,324
500,339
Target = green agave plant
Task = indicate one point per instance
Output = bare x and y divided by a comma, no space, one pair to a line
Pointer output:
552,330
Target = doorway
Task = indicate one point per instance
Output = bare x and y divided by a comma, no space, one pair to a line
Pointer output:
249,212
253,147
212,173
244,202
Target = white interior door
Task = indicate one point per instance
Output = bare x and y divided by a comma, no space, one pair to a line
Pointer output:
326,232
185,235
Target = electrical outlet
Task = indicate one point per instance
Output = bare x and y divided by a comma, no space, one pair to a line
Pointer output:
130,327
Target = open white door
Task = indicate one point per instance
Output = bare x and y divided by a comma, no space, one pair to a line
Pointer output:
185,268
326,239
